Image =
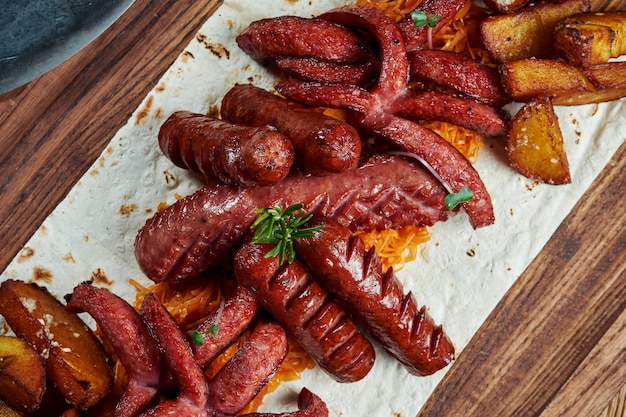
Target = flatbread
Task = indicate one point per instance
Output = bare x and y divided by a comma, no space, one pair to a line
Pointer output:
460,275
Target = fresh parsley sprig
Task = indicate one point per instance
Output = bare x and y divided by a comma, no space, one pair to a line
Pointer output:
198,338
280,227
421,19
454,199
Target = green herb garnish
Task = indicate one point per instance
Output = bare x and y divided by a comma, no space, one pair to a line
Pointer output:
198,338
281,227
420,19
454,199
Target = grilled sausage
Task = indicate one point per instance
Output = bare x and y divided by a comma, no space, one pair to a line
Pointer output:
301,37
121,325
232,153
239,307
291,295
322,144
247,372
459,72
456,109
375,297
205,229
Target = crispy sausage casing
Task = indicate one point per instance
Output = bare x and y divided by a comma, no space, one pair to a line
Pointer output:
322,143
232,153
375,296
291,295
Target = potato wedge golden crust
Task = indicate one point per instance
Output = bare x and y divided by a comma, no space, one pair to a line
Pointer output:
528,32
22,374
607,75
535,143
74,359
525,79
8,411
591,38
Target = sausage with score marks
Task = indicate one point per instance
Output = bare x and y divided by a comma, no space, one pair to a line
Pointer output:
234,154
291,295
375,297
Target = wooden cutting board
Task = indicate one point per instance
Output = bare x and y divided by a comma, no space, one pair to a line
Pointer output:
555,344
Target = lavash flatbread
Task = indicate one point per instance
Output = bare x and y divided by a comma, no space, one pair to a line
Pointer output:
461,274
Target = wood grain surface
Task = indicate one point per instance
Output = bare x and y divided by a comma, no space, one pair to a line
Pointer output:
553,346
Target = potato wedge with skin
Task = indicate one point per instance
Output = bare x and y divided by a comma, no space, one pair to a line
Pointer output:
591,38
22,374
535,143
525,79
527,32
610,75
74,358
8,411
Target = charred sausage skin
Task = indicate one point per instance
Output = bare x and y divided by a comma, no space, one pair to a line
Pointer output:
375,297
231,153
297,301
322,143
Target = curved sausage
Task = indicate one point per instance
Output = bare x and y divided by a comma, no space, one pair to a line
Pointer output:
322,144
301,37
232,153
239,306
375,297
459,72
247,372
177,356
311,69
135,348
291,295
456,109
204,229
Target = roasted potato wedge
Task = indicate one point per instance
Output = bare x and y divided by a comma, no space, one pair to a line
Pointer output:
528,32
610,75
22,374
525,79
74,359
535,143
591,38
8,411
565,84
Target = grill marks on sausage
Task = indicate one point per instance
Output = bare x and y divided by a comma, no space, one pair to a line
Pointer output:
297,301
375,297
384,192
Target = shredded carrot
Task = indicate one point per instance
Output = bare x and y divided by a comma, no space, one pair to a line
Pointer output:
396,247
189,305
466,141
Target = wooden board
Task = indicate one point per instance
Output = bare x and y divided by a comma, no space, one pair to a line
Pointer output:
554,333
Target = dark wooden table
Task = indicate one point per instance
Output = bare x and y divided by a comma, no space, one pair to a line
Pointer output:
555,344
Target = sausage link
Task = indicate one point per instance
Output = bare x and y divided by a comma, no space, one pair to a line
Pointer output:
456,109
311,69
459,72
322,144
247,372
120,324
229,152
375,297
301,37
239,306
289,293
